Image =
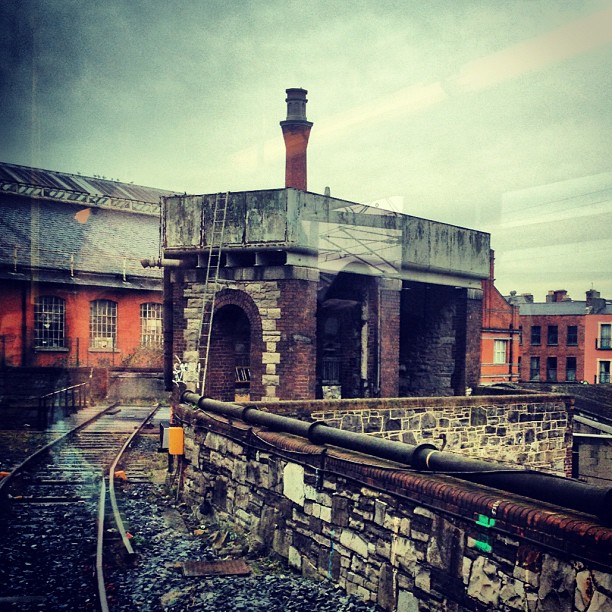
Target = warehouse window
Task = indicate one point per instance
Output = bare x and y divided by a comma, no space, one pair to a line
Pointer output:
50,322
151,324
500,351
103,325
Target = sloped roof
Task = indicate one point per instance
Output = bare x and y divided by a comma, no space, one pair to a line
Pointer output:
559,308
57,236
94,191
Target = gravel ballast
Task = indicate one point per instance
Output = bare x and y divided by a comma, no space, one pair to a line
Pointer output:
166,534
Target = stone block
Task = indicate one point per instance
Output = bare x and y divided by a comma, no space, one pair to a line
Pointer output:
407,602
484,584
354,542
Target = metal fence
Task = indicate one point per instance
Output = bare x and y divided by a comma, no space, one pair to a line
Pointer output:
62,402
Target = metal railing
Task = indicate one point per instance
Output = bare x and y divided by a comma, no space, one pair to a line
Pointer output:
62,402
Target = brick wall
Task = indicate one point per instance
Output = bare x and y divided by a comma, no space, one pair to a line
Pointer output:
401,539
561,350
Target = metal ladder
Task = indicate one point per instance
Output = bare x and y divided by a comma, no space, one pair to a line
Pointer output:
215,244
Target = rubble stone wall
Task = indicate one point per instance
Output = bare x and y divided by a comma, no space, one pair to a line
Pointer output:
404,540
530,430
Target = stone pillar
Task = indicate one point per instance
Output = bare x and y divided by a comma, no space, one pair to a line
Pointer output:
389,336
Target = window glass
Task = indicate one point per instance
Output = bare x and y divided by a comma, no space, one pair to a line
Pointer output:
604,372
534,368
551,369
605,333
151,324
553,334
572,335
500,351
49,322
570,369
103,325
536,332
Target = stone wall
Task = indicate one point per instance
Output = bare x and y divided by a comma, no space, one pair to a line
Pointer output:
531,430
404,540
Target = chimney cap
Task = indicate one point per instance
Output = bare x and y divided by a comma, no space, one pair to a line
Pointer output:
296,106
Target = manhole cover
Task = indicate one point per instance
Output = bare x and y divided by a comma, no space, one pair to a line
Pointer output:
231,567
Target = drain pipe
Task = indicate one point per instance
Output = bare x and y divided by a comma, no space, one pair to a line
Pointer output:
425,457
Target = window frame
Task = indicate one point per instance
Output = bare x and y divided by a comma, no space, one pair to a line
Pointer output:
550,360
151,338
572,337
53,307
600,371
569,369
604,341
497,352
552,335
103,325
534,372
535,339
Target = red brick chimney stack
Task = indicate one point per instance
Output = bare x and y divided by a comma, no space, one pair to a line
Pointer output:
296,130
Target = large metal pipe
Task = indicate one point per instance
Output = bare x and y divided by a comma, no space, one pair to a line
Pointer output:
557,490
168,329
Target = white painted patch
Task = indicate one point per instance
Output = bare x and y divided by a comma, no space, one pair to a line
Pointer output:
293,483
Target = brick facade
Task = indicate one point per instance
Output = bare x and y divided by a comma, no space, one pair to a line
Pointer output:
17,323
560,349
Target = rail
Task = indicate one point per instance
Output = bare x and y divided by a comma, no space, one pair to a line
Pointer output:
105,488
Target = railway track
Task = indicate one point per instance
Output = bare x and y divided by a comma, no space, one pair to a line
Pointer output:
52,516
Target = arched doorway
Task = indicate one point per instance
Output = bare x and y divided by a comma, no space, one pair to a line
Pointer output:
229,360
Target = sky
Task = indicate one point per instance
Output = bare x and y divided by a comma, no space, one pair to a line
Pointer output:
488,114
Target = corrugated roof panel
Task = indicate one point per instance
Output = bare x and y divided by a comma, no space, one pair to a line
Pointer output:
88,185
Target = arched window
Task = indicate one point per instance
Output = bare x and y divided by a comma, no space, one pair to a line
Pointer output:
49,322
151,325
103,325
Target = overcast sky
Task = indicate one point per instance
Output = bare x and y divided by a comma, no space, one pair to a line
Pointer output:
492,114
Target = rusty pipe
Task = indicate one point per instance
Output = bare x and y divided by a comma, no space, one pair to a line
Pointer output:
426,457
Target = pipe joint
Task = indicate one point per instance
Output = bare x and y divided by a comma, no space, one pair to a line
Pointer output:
420,456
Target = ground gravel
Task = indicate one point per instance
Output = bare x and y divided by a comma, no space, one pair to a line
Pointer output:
165,534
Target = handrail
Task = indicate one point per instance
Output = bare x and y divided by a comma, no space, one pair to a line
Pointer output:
74,397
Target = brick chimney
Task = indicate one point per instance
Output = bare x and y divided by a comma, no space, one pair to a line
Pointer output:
296,130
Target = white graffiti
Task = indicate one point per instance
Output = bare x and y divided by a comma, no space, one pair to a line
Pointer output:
181,369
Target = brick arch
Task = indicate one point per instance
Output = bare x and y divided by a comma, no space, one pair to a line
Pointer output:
245,303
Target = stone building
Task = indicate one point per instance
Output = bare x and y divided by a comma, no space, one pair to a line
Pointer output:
288,294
